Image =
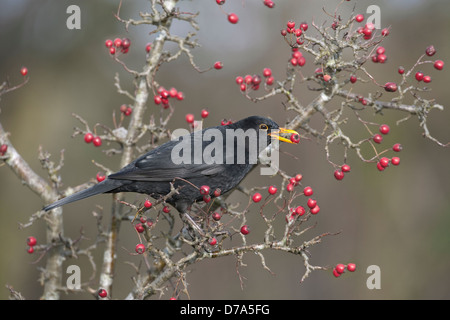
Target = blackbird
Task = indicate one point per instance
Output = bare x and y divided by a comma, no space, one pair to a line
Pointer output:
217,157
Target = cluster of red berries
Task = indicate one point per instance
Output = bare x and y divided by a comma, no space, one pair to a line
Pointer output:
294,35
419,76
190,118
205,191
96,140
339,173
163,96
340,269
144,223
31,242
253,82
3,149
368,30
384,162
297,58
118,44
126,110
380,56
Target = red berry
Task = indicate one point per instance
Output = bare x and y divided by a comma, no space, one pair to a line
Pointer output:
439,64
270,80
308,191
315,210
257,197
340,268
117,42
148,47
220,2
338,174
381,50
345,168
100,177
397,147
291,24
143,219
384,129
304,26
295,138
311,203
3,149
157,99
419,76
190,118
233,18
290,187
217,192
212,241
426,79
269,3
351,267
139,227
30,250
359,18
430,51
380,167
298,177
326,77
381,58
102,293
300,211
216,216
272,190
301,61
395,161
239,80
180,96
97,141
384,162
336,273
31,241
207,198
140,248
218,65
126,43
385,32
245,230
204,190
377,138
88,137
205,113
108,43
166,209
353,79
112,50
401,70
148,204
23,71
267,72
390,87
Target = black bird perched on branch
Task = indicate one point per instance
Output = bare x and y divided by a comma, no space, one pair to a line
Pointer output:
219,157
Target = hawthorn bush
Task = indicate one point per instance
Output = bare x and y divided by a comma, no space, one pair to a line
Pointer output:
335,61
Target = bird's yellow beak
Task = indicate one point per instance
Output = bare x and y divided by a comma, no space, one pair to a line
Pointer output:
275,134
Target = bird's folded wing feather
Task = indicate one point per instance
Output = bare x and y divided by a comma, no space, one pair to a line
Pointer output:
157,165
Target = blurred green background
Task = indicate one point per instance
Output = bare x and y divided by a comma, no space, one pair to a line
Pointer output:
398,219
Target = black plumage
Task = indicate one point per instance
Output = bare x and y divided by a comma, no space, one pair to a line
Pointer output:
153,172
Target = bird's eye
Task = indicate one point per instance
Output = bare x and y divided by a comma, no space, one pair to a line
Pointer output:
263,126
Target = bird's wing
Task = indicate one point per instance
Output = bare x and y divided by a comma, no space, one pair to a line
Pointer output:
158,165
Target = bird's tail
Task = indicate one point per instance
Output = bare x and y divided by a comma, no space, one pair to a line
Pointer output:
101,187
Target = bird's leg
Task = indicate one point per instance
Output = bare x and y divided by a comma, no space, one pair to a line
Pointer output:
185,217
